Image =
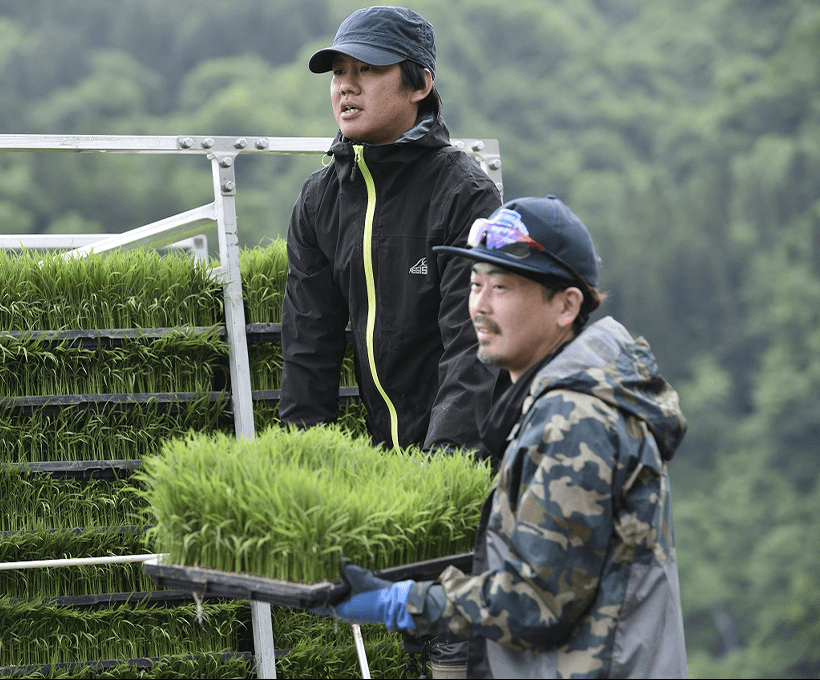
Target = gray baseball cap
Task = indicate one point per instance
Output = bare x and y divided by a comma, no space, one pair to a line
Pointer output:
381,36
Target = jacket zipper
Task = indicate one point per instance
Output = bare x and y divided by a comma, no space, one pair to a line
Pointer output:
367,256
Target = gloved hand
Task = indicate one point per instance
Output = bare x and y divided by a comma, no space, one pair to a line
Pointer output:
372,600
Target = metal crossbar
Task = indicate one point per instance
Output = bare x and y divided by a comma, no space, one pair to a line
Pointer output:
221,152
196,245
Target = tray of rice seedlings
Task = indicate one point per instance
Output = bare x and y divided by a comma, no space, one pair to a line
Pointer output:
90,579
31,501
178,361
36,631
206,665
136,288
269,519
215,583
95,431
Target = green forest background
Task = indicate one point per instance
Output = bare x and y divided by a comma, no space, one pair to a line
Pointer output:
686,135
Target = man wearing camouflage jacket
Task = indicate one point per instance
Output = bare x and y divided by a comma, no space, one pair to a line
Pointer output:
574,572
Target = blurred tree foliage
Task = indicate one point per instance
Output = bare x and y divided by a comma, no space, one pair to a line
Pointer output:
685,135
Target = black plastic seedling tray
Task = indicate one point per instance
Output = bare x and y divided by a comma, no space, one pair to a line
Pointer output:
224,584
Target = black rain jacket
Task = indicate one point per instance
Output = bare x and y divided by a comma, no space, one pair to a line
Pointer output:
360,248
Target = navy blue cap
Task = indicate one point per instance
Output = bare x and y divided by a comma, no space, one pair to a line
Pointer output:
381,36
570,253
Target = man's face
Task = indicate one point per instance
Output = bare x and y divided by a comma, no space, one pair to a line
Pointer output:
369,103
516,321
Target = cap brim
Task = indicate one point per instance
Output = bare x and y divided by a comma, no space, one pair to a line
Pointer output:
542,271
322,60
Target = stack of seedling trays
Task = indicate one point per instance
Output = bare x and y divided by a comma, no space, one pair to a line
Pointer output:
102,361
271,519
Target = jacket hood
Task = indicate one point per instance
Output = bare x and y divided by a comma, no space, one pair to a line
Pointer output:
604,361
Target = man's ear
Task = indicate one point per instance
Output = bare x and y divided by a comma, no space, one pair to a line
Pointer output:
421,95
571,301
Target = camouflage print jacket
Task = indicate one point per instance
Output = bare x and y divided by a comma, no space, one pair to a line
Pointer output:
575,572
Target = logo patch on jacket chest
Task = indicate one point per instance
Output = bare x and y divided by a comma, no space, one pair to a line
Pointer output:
420,267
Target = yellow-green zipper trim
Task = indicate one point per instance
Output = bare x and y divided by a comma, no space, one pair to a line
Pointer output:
370,280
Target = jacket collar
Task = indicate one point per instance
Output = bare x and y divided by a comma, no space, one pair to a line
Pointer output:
430,131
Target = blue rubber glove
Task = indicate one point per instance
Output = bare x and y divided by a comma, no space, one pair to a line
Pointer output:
372,600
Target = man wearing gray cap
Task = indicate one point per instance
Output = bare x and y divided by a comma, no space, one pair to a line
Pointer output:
360,248
574,572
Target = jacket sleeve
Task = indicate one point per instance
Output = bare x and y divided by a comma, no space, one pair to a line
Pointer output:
553,509
465,384
314,317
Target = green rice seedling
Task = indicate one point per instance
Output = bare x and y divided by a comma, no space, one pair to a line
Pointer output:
180,361
319,647
32,501
264,272
266,374
348,374
109,432
290,503
265,366
205,354
39,632
265,415
310,659
74,580
353,417
352,412
15,354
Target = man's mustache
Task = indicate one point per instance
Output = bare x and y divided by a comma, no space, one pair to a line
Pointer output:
489,324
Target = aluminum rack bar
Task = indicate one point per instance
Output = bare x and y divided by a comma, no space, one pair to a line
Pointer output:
75,143
197,245
74,562
160,233
485,152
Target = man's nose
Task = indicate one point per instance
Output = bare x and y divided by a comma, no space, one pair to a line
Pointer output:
478,303
348,83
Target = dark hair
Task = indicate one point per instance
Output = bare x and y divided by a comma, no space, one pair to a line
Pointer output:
412,78
592,300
